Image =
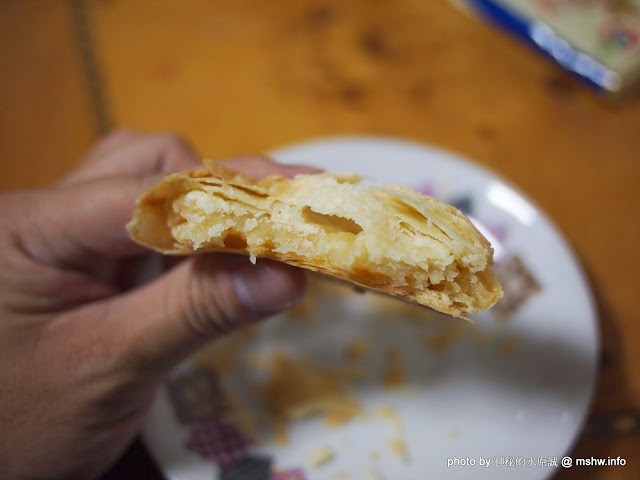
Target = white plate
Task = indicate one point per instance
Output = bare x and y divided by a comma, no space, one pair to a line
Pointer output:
519,405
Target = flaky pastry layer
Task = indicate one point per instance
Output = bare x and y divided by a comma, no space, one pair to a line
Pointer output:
387,238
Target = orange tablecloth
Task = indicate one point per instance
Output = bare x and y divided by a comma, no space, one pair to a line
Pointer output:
249,75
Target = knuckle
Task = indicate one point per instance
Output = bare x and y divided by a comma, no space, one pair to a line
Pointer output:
111,141
172,142
210,309
173,153
122,133
11,203
10,199
202,313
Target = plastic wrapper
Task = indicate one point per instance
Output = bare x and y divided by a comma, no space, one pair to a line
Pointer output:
597,40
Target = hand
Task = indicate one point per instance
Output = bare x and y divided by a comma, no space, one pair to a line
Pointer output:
81,352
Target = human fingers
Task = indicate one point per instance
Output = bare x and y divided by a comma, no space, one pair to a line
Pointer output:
71,226
260,166
74,226
130,153
200,299
112,141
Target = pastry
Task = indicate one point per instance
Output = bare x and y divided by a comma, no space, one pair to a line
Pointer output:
387,238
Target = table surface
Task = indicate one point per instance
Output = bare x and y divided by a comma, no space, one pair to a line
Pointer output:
248,76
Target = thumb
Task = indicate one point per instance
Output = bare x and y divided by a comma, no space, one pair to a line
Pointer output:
198,300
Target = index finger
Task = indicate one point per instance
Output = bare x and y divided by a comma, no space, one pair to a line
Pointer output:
70,226
260,166
126,153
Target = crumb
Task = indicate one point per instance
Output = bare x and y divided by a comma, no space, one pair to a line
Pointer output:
257,362
390,415
443,339
243,416
394,377
249,332
281,436
317,289
373,475
453,434
319,456
399,447
225,354
340,415
395,355
509,345
375,456
296,389
351,371
246,422
396,444
385,411
341,475
302,309
357,349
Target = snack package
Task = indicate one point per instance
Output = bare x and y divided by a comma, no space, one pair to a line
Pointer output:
598,40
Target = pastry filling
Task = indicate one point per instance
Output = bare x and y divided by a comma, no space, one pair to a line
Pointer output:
375,236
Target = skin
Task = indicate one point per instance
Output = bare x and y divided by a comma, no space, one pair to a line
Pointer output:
82,349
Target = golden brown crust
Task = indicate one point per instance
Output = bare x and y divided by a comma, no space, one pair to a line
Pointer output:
390,239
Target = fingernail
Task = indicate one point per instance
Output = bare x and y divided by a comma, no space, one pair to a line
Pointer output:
268,288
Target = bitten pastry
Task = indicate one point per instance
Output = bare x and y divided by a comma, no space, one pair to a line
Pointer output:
387,238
